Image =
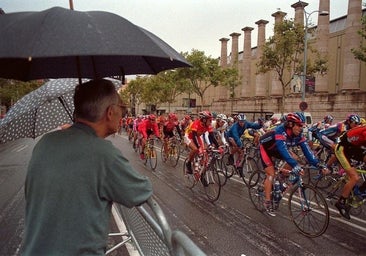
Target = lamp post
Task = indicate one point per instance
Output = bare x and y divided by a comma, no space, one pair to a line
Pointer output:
307,15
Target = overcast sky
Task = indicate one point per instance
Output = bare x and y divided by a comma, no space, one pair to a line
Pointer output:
188,24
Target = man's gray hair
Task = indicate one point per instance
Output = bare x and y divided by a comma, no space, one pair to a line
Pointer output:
92,99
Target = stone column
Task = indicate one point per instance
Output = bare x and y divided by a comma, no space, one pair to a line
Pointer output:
351,66
234,48
322,45
260,82
299,11
223,58
276,86
247,62
220,91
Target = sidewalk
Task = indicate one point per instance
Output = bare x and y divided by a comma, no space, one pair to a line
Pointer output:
117,226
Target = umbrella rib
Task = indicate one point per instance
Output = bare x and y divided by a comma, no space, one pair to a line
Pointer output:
150,65
66,106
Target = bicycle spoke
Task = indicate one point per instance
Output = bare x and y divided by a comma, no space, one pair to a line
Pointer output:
189,179
309,211
212,184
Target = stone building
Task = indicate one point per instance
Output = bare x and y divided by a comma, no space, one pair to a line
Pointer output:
340,91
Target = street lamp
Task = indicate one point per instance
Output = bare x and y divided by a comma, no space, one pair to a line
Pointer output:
307,15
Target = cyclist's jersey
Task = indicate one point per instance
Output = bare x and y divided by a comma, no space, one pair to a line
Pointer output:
168,128
351,146
197,126
136,123
236,131
277,142
327,137
146,128
354,137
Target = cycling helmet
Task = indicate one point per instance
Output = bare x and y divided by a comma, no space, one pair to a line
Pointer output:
214,114
221,116
328,119
363,121
230,119
354,118
172,116
204,115
241,117
297,118
152,117
274,120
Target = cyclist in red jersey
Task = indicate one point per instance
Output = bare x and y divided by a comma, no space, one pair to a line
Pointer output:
168,129
146,128
351,146
193,136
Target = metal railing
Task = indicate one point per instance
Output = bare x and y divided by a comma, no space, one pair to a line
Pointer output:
151,234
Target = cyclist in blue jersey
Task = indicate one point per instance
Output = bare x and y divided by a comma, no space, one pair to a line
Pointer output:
276,144
237,130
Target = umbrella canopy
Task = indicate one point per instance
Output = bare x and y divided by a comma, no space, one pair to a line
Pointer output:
41,110
59,42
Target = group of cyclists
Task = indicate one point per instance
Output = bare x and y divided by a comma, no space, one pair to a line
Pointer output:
274,138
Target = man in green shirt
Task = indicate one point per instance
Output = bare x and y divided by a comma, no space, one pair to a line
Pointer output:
75,175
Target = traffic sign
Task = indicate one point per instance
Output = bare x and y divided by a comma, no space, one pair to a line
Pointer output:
303,105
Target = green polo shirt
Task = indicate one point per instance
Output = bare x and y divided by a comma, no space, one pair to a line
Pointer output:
73,178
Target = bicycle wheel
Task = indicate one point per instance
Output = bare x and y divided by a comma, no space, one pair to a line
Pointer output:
256,190
330,185
189,179
164,155
174,154
153,160
249,167
308,210
220,169
229,168
211,183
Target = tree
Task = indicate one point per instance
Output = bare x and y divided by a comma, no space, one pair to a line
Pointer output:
360,53
282,53
172,85
204,73
12,90
231,80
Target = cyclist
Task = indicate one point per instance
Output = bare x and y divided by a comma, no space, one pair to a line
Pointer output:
193,136
135,130
220,128
168,129
236,131
276,144
147,128
351,146
328,137
185,122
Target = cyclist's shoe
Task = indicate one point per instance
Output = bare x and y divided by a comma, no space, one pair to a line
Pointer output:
204,181
189,168
142,156
343,210
231,159
269,209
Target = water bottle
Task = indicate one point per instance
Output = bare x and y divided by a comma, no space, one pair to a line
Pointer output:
277,191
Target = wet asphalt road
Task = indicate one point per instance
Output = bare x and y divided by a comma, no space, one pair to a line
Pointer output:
230,226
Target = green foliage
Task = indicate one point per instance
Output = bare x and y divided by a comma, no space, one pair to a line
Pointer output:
283,53
360,53
12,90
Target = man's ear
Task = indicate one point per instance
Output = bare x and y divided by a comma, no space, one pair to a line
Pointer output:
109,112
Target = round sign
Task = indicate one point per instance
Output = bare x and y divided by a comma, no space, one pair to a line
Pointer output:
303,105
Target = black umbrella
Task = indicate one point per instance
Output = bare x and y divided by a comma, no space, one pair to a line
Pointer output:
59,42
42,110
